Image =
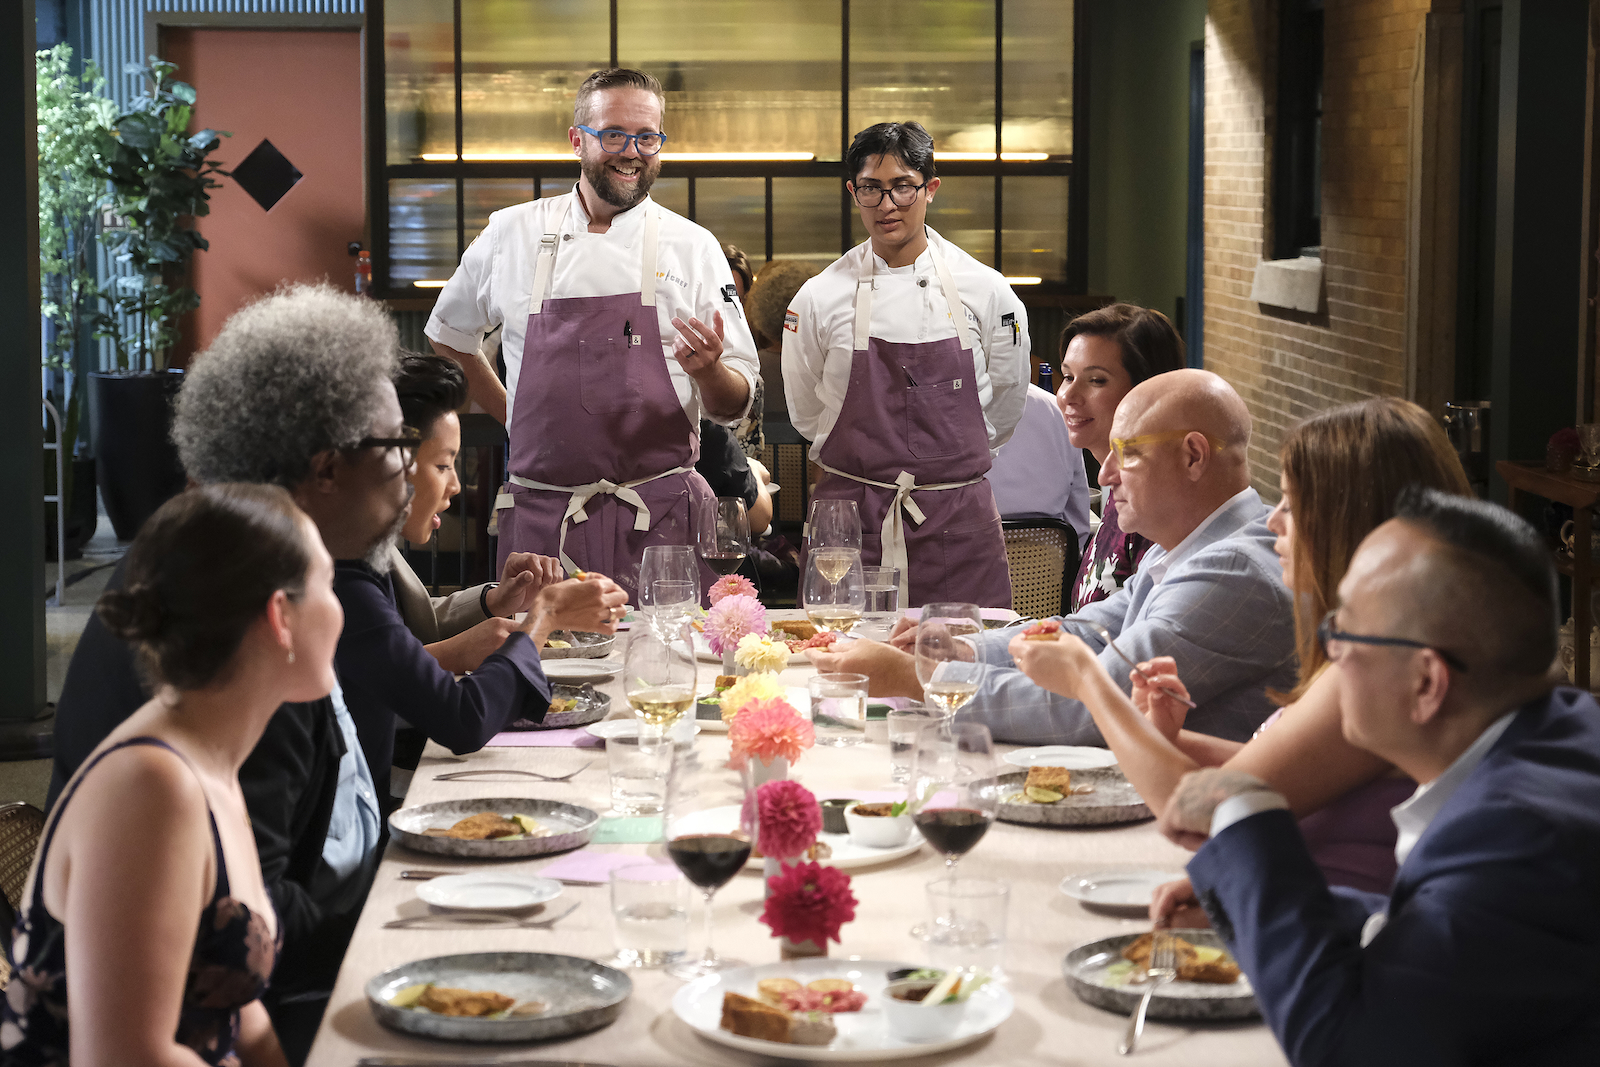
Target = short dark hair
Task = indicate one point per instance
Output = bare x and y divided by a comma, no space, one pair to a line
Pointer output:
906,141
1506,561
739,263
200,573
1150,345
614,78
428,387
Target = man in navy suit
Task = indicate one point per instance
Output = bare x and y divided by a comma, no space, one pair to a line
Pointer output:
1487,950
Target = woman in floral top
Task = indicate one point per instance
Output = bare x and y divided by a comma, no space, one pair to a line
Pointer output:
1104,354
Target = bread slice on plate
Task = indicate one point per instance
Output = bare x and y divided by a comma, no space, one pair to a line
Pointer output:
748,1017
1056,778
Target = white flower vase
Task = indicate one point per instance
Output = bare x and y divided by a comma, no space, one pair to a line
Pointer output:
761,773
729,667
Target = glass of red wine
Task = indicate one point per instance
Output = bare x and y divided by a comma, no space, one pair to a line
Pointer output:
710,843
953,788
724,536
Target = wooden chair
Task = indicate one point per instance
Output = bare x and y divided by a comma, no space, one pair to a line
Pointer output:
1043,557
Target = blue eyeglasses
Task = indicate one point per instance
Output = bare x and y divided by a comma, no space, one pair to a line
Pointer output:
615,141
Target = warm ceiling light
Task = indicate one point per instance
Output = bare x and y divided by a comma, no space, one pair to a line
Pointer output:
1011,281
500,157
988,157
430,283
737,157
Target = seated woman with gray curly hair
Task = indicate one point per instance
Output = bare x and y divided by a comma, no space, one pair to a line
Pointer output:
229,605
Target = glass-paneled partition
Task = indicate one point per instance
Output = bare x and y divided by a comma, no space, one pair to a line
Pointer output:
470,102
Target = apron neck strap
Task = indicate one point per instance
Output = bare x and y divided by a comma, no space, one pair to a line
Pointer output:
544,269
947,283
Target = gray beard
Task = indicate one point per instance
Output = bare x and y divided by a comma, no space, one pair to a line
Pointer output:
380,557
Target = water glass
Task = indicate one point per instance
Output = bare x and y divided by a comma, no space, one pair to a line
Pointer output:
839,708
882,585
903,726
640,768
967,923
650,910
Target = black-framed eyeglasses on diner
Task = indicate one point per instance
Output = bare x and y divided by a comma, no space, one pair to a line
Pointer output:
1330,638
408,442
902,195
616,142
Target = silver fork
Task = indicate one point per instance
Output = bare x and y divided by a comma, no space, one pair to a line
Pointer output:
456,776
1163,969
1105,635
473,919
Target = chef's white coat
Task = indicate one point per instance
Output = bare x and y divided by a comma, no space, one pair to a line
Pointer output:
908,305
492,285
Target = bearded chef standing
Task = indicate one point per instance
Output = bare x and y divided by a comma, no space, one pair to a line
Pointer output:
622,329
905,363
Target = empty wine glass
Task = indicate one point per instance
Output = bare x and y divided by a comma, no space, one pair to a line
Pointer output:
939,641
710,840
953,780
669,587
833,524
659,678
724,535
833,592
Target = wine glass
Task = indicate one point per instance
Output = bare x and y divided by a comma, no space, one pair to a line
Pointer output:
953,779
710,844
833,592
833,524
939,641
724,535
659,680
669,587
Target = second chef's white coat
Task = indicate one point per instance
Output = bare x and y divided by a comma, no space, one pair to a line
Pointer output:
908,305
492,285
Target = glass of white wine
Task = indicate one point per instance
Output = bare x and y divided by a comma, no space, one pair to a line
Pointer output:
939,641
834,592
659,679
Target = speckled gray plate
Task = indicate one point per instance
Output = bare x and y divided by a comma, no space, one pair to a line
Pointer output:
592,706
1085,971
572,827
580,995
584,645
1114,800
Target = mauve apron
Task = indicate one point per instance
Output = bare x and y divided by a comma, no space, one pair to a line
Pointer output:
602,456
910,438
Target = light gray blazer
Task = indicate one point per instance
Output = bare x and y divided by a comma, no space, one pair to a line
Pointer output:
432,618
1220,609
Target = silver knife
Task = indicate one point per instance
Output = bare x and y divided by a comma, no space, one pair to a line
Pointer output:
403,1061
422,876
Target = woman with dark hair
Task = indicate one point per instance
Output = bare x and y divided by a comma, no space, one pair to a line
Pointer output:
229,604
1105,353
1342,472
387,671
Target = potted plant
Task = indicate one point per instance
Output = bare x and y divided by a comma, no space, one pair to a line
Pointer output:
70,109
159,176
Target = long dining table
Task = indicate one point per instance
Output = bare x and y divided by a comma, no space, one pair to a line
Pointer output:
1050,1025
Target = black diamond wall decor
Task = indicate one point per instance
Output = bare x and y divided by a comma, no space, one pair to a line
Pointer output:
266,175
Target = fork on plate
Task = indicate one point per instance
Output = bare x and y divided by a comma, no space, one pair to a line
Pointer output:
456,776
1163,968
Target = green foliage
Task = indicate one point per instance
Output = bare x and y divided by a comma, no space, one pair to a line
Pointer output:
160,177
71,111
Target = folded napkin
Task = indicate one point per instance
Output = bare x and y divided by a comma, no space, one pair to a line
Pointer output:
576,737
584,867
633,830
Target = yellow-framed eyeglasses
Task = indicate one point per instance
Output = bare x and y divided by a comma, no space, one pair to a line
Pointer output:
1130,450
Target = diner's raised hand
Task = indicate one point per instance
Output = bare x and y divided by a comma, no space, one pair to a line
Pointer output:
523,576
698,347
467,650
904,635
1186,820
890,672
1163,709
1059,666
1174,905
592,603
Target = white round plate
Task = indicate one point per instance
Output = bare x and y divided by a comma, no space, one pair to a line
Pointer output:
863,1035
1130,889
683,730
1072,757
488,891
847,855
580,670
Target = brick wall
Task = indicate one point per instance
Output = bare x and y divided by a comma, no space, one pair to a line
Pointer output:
1288,365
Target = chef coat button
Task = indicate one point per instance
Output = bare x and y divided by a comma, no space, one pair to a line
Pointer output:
566,237
923,282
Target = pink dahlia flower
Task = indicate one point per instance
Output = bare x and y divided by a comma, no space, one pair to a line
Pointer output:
789,819
767,729
732,585
809,902
732,618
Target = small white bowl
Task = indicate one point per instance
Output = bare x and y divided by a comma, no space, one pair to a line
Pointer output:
877,831
911,1020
